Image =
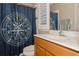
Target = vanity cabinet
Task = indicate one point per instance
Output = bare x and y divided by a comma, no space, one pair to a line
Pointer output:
46,48
40,51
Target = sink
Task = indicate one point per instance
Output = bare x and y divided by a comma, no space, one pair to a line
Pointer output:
54,36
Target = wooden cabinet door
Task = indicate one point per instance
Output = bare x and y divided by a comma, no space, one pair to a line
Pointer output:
40,51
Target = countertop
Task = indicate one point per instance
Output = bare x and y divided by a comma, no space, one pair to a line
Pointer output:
61,40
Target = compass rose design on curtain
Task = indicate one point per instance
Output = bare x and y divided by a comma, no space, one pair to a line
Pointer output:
16,29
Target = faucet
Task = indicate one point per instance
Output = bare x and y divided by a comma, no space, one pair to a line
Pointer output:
61,33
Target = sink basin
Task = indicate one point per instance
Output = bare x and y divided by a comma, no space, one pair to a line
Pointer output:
54,36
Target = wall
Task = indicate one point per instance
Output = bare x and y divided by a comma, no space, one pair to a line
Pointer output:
77,17
42,15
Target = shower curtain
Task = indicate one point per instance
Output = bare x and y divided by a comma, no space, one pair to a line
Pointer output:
17,27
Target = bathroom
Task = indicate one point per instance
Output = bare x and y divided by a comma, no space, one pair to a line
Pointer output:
39,29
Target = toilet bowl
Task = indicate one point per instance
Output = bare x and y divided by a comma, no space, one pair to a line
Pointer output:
28,51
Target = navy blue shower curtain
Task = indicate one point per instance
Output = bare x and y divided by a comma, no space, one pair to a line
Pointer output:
6,9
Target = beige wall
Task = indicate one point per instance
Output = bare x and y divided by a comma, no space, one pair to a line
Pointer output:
77,17
42,14
66,11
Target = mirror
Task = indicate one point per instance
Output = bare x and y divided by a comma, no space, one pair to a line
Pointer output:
64,16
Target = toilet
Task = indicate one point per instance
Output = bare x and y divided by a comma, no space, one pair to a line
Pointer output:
28,51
